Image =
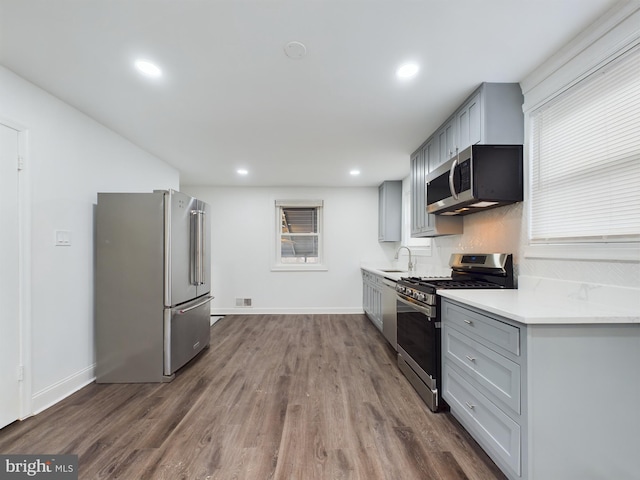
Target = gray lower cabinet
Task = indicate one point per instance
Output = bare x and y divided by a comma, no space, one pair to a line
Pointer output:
545,401
482,363
372,292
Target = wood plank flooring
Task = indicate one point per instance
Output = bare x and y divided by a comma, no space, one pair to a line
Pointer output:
285,397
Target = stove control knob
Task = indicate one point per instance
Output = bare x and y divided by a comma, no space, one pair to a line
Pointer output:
421,297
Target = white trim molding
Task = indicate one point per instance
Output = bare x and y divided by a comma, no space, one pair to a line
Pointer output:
60,390
24,254
612,34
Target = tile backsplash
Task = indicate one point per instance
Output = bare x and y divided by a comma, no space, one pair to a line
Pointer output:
504,229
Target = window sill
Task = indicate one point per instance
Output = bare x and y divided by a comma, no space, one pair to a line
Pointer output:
622,252
299,268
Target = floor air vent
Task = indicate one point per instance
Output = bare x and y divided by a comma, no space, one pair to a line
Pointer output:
243,302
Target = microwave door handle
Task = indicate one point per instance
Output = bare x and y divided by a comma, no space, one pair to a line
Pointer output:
452,187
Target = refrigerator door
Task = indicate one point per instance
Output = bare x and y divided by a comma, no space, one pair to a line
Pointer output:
186,332
129,286
203,254
179,286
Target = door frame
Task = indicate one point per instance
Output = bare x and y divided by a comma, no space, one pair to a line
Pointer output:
24,267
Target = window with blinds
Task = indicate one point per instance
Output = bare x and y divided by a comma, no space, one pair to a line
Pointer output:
299,232
585,159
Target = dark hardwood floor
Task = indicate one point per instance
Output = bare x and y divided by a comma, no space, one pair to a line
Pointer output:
286,397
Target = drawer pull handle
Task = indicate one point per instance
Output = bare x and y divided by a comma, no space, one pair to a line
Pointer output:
471,359
468,322
471,407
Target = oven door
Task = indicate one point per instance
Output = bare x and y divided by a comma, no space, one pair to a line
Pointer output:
419,340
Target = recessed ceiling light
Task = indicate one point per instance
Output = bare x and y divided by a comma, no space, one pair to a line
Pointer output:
407,70
242,171
148,68
354,172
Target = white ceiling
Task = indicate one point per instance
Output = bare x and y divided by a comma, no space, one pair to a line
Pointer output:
231,98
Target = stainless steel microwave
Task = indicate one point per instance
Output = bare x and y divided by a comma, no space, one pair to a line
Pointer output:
478,178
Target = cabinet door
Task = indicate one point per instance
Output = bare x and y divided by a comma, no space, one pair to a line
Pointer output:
468,123
390,211
381,213
417,192
446,143
500,436
495,375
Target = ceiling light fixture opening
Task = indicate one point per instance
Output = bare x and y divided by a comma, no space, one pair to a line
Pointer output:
354,172
242,171
148,68
295,50
407,70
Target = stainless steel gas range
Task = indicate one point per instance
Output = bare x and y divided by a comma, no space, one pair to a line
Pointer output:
418,305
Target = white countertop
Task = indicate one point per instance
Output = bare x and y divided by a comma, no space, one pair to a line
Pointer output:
546,301
542,300
395,272
391,272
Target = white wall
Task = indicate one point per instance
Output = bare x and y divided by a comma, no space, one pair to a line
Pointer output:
69,159
243,249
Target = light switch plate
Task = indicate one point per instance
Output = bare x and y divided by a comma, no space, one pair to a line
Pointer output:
62,238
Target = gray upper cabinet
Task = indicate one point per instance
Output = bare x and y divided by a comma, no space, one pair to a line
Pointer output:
491,115
424,224
468,122
390,211
418,206
447,139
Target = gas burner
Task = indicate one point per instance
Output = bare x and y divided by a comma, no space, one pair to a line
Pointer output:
467,271
464,284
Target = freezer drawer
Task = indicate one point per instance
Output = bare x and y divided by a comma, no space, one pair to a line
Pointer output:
186,332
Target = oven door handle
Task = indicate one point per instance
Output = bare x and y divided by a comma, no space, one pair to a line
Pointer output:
420,308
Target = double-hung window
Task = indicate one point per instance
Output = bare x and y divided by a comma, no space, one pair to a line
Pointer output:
299,234
585,159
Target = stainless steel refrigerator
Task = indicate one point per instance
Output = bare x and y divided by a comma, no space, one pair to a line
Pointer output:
152,284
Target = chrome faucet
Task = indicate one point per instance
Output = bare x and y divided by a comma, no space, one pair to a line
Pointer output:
410,264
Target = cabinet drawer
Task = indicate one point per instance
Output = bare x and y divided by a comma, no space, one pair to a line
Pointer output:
496,374
488,331
489,425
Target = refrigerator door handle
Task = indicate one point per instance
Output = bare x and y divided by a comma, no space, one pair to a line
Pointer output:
198,247
199,304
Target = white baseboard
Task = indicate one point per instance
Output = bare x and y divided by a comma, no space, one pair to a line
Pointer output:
58,391
288,311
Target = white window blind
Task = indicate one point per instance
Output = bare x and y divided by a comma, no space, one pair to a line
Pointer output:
585,158
299,232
